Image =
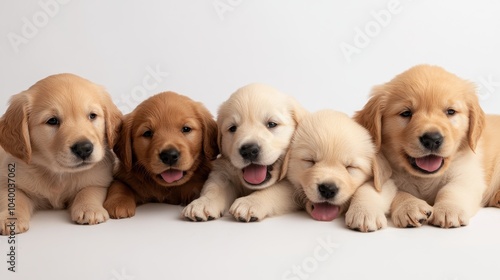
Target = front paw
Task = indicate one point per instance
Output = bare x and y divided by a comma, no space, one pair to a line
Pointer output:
448,215
89,214
13,226
365,219
248,209
119,209
203,209
411,214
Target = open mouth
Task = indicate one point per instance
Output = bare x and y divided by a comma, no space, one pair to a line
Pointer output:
256,174
172,175
324,211
429,164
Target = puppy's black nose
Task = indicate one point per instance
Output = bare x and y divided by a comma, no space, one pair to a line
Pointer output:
432,140
82,149
250,151
328,190
170,156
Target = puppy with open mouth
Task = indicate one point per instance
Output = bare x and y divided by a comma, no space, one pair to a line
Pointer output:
165,148
334,169
255,125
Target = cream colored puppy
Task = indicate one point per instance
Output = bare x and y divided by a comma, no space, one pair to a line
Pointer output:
334,169
58,135
255,127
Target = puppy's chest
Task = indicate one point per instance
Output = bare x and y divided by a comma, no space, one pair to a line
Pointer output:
422,188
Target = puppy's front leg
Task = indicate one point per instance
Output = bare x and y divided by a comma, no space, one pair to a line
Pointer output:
408,211
120,201
87,206
368,207
15,212
274,200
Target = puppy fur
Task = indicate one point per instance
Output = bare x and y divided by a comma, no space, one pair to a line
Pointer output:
58,136
165,148
428,124
333,168
256,125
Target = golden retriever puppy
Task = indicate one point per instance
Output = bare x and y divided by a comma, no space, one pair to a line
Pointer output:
333,168
428,123
256,125
58,135
165,148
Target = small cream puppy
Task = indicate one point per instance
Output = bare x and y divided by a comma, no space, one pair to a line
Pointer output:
255,127
334,169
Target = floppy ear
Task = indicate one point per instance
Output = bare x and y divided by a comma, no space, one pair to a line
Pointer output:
210,137
382,171
298,112
113,119
15,137
477,121
370,116
284,165
123,146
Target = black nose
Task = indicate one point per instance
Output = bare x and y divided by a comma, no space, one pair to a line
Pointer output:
432,140
250,151
82,149
170,156
328,190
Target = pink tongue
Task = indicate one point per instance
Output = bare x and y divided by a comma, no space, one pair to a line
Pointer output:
255,174
429,163
172,175
325,211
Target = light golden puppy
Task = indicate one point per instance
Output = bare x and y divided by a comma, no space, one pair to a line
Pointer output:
333,168
255,126
427,122
58,135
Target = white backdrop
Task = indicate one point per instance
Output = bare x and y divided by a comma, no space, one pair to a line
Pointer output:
327,54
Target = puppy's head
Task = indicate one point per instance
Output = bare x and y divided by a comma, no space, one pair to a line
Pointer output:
255,127
423,118
167,137
63,122
330,157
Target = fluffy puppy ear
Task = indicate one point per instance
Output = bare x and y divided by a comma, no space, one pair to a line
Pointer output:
14,128
210,137
477,119
382,171
123,146
371,115
112,118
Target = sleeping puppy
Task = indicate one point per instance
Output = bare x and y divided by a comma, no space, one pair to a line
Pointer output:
165,149
58,135
428,123
256,125
333,168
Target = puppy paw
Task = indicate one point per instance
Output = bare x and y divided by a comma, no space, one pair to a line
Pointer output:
448,215
12,226
495,200
248,209
203,209
89,214
365,219
119,209
415,213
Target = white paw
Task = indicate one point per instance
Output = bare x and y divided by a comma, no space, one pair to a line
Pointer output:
448,215
89,214
249,209
413,213
204,209
365,219
12,226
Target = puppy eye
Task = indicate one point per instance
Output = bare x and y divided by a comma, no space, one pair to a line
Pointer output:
309,161
271,124
232,128
351,168
148,134
186,129
52,121
92,116
450,112
406,114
